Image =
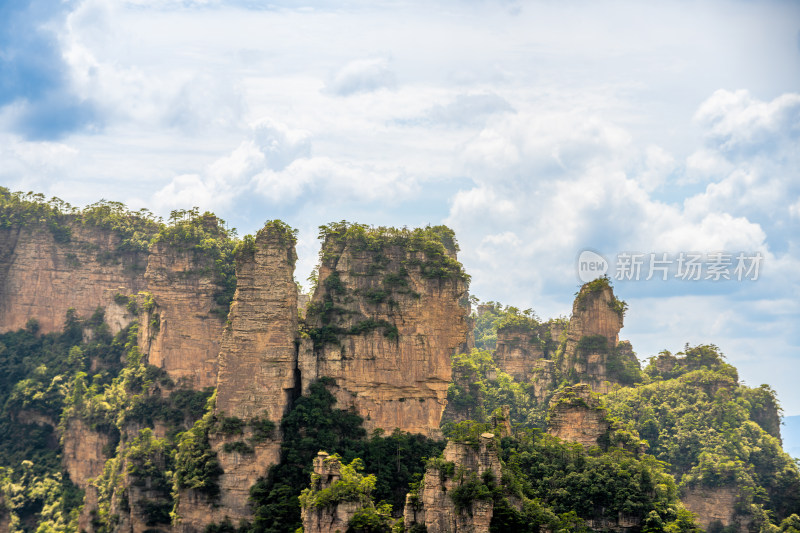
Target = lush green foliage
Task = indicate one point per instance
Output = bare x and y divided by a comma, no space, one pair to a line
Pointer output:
701,422
479,388
352,486
196,464
558,482
431,250
314,424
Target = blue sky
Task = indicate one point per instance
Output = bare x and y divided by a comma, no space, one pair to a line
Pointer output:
535,129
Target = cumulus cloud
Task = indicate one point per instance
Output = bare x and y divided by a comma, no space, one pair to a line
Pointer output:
277,165
736,122
362,76
573,181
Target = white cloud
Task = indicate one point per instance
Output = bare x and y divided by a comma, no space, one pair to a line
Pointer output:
362,76
735,121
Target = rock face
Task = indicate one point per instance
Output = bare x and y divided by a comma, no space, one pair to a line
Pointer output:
257,361
577,415
518,350
714,504
180,333
332,518
591,353
84,453
434,506
384,322
41,278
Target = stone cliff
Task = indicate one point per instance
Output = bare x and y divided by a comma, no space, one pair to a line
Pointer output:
257,374
85,451
576,414
442,504
388,312
592,352
42,277
716,505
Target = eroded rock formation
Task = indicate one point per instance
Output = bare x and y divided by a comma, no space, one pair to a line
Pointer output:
577,414
85,451
41,278
438,507
257,363
328,518
592,352
384,321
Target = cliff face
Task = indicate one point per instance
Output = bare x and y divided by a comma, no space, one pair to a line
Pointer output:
257,362
85,452
384,323
41,278
180,333
517,352
592,353
715,504
577,415
435,505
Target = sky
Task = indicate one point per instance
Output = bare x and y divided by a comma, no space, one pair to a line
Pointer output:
536,130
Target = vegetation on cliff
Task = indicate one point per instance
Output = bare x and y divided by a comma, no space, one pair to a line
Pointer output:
314,424
696,417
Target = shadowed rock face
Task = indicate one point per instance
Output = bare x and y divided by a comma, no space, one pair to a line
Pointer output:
41,278
385,330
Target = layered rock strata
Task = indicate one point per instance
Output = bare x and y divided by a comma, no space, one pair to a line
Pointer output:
41,278
84,452
715,504
384,323
518,350
434,506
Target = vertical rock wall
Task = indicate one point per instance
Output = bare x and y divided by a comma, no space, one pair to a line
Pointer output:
181,334
257,362
715,504
434,508
41,278
577,415
384,324
517,352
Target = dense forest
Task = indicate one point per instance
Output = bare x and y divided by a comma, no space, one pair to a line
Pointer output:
682,423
